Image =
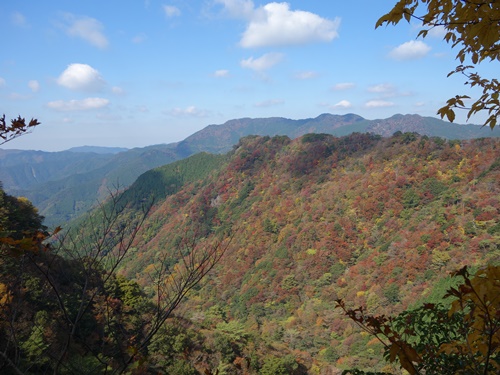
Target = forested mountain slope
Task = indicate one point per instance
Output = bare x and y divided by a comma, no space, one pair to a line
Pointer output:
63,185
376,222
220,138
21,169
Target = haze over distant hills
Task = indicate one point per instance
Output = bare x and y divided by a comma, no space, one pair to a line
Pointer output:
65,184
98,149
220,138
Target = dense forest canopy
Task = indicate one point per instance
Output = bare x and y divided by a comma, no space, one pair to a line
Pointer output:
287,228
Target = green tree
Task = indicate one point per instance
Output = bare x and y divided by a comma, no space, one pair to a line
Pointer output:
474,28
35,346
171,345
89,309
182,367
461,339
279,366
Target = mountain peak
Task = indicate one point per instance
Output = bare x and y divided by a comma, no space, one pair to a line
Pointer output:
348,117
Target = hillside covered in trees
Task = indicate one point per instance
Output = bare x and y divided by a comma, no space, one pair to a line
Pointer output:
287,228
64,185
376,222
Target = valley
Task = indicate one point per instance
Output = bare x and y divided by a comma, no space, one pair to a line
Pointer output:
274,233
65,184
166,218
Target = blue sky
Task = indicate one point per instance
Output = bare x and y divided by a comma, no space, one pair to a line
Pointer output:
140,72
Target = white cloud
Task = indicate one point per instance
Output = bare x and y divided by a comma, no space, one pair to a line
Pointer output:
19,20
433,32
88,29
275,24
2,82
78,105
171,11
437,32
343,86
221,73
269,103
262,63
306,75
81,77
190,111
378,104
412,50
34,85
343,104
382,88
387,90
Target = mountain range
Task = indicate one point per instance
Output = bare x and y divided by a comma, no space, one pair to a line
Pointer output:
378,222
63,185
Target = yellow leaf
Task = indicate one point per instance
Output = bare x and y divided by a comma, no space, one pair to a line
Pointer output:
450,114
5,295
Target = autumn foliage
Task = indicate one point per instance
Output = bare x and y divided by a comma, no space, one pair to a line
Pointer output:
375,222
433,340
17,127
470,26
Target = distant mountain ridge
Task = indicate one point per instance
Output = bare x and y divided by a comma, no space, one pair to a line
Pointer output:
220,138
98,149
65,184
